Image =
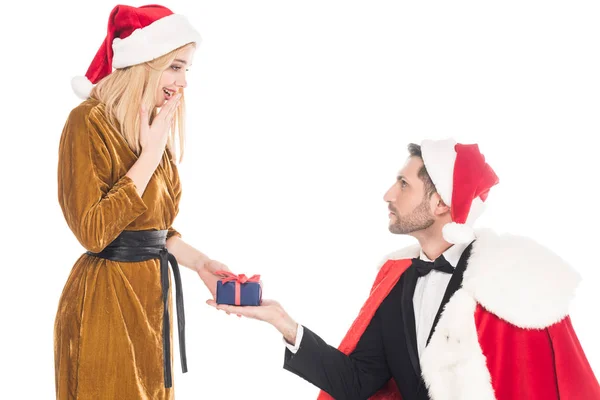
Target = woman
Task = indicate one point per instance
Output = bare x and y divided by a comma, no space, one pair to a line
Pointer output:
119,191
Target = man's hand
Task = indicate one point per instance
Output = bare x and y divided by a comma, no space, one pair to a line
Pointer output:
270,311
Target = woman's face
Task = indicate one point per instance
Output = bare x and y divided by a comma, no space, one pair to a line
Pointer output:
172,79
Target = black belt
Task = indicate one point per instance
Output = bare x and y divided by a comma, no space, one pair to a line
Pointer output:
135,246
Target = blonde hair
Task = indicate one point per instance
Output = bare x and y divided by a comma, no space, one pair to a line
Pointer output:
125,90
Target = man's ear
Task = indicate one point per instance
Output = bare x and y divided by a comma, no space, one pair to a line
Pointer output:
439,206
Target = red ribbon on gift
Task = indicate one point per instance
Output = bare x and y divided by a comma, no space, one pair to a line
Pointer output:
239,280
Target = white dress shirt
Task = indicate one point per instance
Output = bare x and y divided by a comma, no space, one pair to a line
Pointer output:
428,296
429,293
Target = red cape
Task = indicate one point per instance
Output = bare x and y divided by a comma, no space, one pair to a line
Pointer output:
533,364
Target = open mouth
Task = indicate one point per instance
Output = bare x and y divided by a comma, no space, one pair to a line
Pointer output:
168,93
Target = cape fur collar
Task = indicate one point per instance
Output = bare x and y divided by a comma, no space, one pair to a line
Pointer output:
515,278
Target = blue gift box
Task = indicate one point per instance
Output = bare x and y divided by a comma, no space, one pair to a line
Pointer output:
250,293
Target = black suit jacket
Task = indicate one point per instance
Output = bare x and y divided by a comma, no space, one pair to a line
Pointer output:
387,349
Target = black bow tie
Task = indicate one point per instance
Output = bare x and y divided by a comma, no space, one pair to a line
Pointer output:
425,267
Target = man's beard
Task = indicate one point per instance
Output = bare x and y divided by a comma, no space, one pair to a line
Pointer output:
420,218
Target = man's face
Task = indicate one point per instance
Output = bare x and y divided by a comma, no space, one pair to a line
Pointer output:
410,209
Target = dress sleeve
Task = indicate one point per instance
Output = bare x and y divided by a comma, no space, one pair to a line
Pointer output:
177,189
96,209
172,232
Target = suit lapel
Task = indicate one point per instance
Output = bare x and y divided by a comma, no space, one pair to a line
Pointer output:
454,284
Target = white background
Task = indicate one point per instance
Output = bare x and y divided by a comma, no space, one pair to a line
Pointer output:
299,116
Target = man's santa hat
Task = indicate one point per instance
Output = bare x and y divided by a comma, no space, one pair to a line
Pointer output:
463,179
135,35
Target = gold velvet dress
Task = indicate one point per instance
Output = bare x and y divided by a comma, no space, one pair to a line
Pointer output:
108,327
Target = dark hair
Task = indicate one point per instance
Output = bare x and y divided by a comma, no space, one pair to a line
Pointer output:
415,151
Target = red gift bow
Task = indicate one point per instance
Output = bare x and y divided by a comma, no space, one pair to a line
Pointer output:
239,280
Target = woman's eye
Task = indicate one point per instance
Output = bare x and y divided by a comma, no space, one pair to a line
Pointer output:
176,67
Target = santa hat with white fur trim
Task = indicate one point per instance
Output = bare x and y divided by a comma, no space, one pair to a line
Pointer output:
463,179
135,35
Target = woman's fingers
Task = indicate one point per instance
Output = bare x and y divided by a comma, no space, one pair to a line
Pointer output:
144,119
168,109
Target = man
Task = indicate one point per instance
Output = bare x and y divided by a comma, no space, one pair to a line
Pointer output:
488,319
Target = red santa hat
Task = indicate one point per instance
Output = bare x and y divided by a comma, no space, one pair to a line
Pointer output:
463,179
135,35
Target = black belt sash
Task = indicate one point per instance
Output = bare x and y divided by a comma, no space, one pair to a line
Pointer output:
135,246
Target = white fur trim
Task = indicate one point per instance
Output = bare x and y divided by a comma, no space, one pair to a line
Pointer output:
515,278
464,233
519,280
458,233
453,364
439,157
412,251
82,86
155,40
